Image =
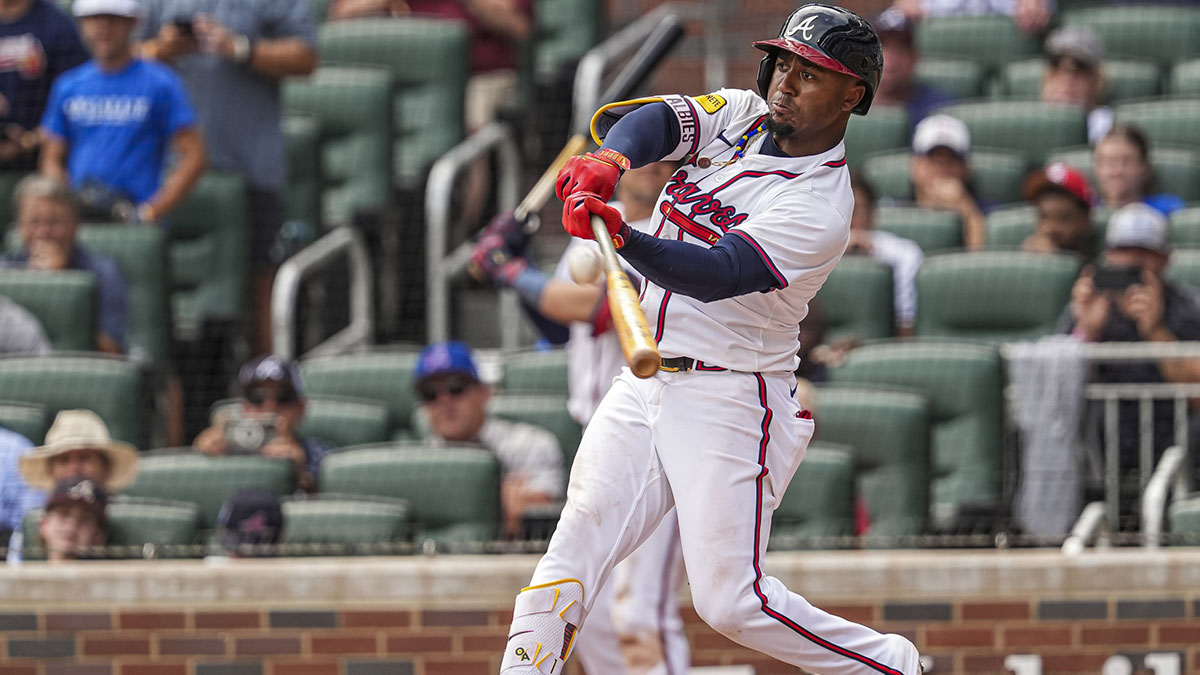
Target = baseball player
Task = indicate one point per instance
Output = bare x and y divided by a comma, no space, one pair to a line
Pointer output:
635,627
745,234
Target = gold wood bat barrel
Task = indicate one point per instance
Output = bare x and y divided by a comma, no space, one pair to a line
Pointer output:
641,351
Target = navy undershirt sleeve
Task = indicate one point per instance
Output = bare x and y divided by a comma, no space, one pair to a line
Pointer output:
645,135
728,269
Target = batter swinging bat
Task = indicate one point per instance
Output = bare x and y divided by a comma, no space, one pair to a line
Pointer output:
664,36
633,331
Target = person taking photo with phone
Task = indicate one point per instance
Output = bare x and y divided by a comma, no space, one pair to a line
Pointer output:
267,422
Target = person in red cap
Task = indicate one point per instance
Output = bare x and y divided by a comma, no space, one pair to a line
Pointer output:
1063,200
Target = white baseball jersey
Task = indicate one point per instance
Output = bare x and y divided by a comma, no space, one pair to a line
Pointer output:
794,211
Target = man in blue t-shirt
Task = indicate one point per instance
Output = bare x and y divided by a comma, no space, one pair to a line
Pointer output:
109,122
38,42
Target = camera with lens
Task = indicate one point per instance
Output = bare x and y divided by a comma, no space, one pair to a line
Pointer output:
246,433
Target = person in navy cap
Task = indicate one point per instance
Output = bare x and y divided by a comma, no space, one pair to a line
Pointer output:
267,423
454,399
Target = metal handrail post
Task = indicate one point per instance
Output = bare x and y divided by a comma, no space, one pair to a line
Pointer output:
1170,479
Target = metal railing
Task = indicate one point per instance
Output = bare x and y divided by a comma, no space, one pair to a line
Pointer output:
442,265
1171,479
1092,526
341,242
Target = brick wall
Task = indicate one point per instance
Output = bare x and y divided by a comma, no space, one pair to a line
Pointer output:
449,615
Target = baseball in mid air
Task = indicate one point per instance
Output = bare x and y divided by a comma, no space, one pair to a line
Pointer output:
584,265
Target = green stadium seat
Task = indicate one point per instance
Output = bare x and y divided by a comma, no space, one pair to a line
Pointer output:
964,383
110,387
1183,518
1009,226
208,253
27,419
993,296
1160,34
960,78
354,109
134,522
355,522
1030,128
1185,79
1126,80
428,61
997,174
991,40
547,411
933,229
1185,227
302,139
819,501
890,434
343,422
1184,267
141,254
62,301
535,372
207,482
1166,121
564,30
384,377
857,300
320,9
454,491
1176,170
885,129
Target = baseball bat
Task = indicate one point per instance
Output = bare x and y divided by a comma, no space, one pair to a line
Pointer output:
665,35
633,331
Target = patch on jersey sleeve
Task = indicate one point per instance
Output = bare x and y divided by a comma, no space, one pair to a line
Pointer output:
711,102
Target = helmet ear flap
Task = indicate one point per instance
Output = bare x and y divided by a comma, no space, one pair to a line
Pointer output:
765,68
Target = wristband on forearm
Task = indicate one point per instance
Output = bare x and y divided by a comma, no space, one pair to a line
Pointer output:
621,161
529,284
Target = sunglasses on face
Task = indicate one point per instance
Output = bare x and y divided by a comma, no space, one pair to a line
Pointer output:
261,396
456,386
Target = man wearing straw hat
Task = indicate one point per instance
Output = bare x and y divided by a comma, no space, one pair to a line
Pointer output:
78,444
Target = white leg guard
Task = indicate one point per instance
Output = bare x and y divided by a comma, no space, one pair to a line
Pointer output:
546,619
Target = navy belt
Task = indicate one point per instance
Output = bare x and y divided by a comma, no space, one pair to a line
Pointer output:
682,364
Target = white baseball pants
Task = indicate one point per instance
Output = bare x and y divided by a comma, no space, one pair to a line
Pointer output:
721,448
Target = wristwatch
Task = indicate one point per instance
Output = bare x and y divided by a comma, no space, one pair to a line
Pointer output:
243,49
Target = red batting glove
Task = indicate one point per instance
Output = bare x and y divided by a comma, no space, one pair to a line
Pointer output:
596,172
577,217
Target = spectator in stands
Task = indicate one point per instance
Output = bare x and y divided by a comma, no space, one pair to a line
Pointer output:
239,52
38,42
16,496
455,401
941,177
268,420
1126,299
1031,16
1074,73
899,85
1063,200
78,444
48,221
904,256
20,331
250,523
109,123
75,520
1124,174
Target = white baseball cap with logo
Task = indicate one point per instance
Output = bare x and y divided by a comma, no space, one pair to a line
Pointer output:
127,8
1140,226
941,131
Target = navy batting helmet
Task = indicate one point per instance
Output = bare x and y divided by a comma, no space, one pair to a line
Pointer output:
831,37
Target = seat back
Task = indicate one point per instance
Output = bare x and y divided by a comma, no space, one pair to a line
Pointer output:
991,40
1030,128
885,129
1166,121
933,229
889,432
356,522
819,501
382,377
27,419
454,491
993,295
535,372
428,61
548,411
964,385
1185,227
141,254
857,300
958,77
1183,519
302,141
1009,226
353,107
1142,31
110,387
208,247
1185,79
343,422
63,301
208,482
563,32
1184,267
